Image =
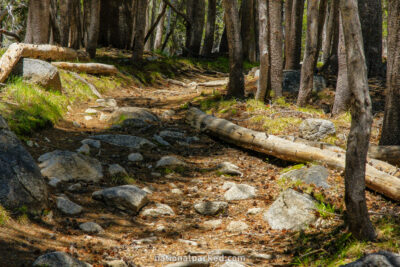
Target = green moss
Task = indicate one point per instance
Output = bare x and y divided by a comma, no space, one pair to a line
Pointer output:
253,105
4,216
292,168
122,180
279,126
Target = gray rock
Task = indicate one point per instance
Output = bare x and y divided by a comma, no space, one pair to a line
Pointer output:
316,129
172,135
135,157
91,228
240,192
189,264
67,166
379,259
134,123
108,102
292,211
115,263
54,182
21,183
159,210
84,149
229,168
117,170
128,141
67,206
160,140
91,111
227,185
211,207
39,72
316,174
233,264
168,113
75,187
126,197
169,161
254,211
58,259
176,191
92,143
291,81
133,113
237,226
213,224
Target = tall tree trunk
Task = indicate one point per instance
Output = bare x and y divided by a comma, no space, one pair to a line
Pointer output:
94,27
38,25
195,30
247,29
307,69
391,122
328,32
147,46
223,45
275,17
210,28
264,85
371,23
153,18
358,139
55,27
138,46
343,93
236,77
160,29
321,22
293,39
64,21
288,20
330,52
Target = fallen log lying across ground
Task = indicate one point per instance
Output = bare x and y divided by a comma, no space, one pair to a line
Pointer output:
45,52
91,68
376,180
386,153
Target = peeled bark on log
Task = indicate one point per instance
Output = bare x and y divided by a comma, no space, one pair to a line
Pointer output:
91,68
44,52
376,180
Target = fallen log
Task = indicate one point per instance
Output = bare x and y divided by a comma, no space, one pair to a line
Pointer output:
214,83
376,180
91,68
390,154
45,52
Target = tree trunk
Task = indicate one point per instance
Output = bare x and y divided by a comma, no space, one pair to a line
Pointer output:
138,46
343,93
195,30
160,29
247,30
64,22
223,45
321,22
275,17
94,27
236,77
75,33
379,181
264,85
293,39
327,42
371,23
391,122
210,28
330,51
153,19
38,25
55,27
288,20
307,69
358,139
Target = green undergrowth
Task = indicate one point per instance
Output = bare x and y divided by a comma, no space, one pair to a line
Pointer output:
4,216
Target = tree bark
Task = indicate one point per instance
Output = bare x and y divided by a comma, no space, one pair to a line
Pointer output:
288,20
330,51
307,69
343,93
138,46
264,85
91,68
153,19
210,28
64,22
94,28
38,25
236,77
160,27
391,122
293,39
223,45
321,22
196,12
360,131
377,180
247,30
275,17
371,23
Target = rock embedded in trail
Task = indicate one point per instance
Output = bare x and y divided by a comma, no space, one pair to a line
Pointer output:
84,149
133,113
91,228
115,263
233,264
240,192
160,140
379,259
54,182
172,135
126,197
291,211
254,211
315,174
59,259
189,264
67,206
92,143
211,207
67,166
229,168
117,170
169,161
159,210
135,157
316,129
128,141
237,226
213,224
108,102
21,183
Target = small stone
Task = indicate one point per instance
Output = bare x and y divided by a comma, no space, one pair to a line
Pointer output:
76,124
316,129
92,143
29,143
168,113
88,118
233,264
176,191
240,192
54,182
194,189
159,210
172,135
115,263
160,140
160,228
135,157
213,224
75,187
189,242
227,185
169,161
237,226
103,117
117,170
147,189
59,259
211,207
91,228
84,149
67,206
229,168
156,174
91,111
254,211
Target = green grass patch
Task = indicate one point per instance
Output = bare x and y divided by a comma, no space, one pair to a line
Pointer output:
292,168
4,216
122,180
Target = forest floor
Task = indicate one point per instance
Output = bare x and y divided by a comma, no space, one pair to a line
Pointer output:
139,239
